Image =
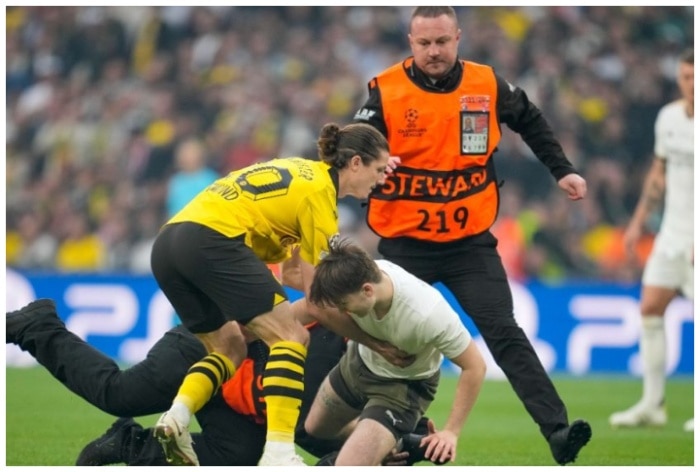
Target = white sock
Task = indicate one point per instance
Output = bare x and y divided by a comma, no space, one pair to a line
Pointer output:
181,413
278,448
652,347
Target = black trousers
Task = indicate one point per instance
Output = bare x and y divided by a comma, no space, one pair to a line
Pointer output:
472,270
227,438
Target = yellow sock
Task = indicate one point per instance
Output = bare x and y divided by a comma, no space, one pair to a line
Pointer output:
203,379
283,385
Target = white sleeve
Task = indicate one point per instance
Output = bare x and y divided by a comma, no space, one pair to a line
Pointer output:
446,330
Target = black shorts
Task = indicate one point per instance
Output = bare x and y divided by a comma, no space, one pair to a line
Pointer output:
210,278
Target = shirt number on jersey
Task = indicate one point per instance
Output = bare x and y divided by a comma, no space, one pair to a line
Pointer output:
265,182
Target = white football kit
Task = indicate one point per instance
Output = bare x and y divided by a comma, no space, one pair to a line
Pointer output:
670,263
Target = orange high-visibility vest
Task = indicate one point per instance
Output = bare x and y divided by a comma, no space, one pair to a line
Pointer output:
445,188
243,392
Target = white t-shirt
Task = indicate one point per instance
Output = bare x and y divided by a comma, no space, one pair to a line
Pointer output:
674,143
420,321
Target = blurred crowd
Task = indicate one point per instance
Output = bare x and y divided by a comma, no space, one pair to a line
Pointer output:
116,116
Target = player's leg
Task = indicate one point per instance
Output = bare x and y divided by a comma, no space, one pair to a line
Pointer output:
188,278
663,277
283,381
650,409
220,279
202,380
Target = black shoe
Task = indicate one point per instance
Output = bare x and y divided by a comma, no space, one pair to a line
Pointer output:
328,459
422,427
16,321
108,448
411,443
566,442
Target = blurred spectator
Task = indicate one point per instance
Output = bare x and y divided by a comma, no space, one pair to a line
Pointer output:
604,244
116,237
160,134
80,249
30,246
192,177
149,221
554,252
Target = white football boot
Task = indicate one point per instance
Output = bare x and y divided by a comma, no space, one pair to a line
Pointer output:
689,426
175,440
270,460
639,415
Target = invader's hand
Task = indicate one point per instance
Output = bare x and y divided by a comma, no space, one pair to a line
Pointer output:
393,354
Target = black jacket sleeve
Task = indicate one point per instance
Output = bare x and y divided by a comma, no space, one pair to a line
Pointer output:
523,117
371,112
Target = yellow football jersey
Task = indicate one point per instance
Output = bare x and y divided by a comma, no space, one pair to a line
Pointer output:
276,204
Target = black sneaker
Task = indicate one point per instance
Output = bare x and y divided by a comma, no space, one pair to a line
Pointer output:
411,443
17,320
565,443
108,448
422,426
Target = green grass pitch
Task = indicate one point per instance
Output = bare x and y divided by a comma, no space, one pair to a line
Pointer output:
48,425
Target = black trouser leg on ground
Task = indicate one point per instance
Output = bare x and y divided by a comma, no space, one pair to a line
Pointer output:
146,388
140,448
514,354
478,281
143,389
